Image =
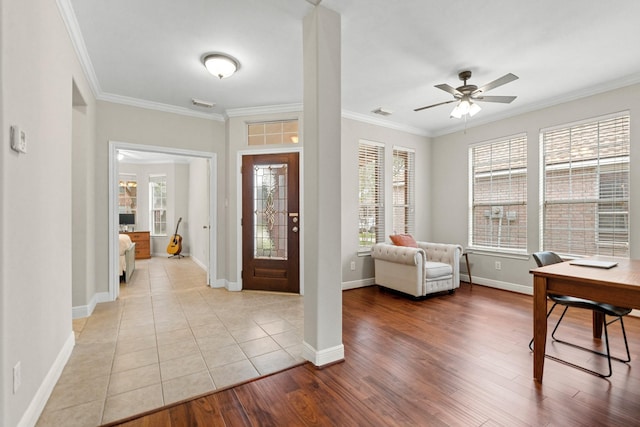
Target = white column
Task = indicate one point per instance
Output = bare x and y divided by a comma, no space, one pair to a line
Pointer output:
322,207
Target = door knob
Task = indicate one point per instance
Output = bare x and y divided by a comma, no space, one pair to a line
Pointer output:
294,229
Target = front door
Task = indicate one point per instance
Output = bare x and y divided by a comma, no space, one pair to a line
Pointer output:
270,222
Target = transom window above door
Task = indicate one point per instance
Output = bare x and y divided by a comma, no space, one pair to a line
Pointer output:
273,132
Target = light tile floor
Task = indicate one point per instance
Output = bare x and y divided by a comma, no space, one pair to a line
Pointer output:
170,337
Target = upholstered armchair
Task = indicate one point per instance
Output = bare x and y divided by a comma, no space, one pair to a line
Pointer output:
417,271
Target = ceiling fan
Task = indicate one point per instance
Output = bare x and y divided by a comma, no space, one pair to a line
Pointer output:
467,95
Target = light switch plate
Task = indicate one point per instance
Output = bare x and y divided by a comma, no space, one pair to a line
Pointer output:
18,139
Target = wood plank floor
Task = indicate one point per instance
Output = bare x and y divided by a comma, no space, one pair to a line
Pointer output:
458,360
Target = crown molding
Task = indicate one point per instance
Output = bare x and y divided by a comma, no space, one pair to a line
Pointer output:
150,105
73,28
385,123
267,109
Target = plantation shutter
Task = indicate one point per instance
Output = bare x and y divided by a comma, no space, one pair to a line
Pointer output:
403,191
498,200
586,187
371,194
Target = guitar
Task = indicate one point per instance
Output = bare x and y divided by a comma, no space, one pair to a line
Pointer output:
175,244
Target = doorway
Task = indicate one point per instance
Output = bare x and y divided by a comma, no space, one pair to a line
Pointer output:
208,225
271,222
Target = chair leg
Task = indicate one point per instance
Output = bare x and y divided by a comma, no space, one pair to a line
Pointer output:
624,336
606,336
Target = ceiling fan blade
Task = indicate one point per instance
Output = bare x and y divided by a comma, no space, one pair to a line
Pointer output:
449,89
502,99
435,105
497,82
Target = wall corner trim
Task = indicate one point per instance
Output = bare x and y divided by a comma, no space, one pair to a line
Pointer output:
322,357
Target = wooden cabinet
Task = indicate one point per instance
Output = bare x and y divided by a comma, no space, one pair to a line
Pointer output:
143,243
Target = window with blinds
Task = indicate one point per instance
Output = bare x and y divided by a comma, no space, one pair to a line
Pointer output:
403,191
158,205
370,194
498,194
585,181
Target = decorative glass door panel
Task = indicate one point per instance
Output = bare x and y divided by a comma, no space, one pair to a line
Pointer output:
270,222
270,211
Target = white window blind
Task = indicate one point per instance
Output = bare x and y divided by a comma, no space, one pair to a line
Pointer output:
403,191
158,205
371,194
498,197
586,187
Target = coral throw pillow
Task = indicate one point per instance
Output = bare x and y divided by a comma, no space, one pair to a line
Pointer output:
403,240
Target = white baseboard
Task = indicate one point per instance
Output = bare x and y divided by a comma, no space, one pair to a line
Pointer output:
233,286
35,408
354,284
224,283
322,357
199,263
528,290
81,311
164,254
219,283
506,286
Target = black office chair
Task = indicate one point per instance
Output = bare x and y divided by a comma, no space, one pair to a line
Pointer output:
548,258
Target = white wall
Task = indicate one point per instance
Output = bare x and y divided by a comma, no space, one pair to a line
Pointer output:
352,132
83,196
449,165
37,68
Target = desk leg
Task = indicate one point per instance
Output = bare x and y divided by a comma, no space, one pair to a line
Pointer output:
539,325
598,322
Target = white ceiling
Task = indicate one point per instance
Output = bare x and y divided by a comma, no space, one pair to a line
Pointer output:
148,53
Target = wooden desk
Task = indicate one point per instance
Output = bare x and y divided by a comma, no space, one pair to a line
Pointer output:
619,285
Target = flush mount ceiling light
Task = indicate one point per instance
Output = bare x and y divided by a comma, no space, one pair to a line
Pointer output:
220,65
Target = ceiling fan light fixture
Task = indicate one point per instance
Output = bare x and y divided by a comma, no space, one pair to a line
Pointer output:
220,65
464,107
456,113
474,109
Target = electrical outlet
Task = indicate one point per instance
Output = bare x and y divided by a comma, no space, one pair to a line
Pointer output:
353,266
498,265
17,377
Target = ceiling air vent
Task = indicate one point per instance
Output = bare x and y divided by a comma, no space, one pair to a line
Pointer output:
201,103
382,111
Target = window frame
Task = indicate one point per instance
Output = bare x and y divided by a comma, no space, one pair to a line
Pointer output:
408,182
376,154
153,181
515,169
273,132
602,165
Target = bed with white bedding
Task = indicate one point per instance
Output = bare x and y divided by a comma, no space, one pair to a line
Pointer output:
127,257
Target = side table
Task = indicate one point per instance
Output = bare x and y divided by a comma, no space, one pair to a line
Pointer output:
465,254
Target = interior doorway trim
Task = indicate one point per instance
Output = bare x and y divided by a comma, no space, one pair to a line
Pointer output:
239,209
114,146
